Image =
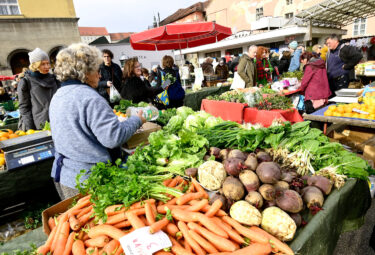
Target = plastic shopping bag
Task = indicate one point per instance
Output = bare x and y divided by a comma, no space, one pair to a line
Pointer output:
114,96
238,82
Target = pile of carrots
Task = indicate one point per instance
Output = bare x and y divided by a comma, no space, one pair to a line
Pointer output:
193,226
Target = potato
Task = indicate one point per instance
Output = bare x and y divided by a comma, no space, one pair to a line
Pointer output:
233,188
245,213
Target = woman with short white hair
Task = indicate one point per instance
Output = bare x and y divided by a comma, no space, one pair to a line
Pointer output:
84,127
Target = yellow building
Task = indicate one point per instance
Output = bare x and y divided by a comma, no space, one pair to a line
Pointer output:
27,24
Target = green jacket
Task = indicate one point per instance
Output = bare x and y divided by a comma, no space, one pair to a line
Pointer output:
247,70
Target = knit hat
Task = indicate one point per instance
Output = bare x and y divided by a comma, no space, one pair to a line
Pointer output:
37,55
293,45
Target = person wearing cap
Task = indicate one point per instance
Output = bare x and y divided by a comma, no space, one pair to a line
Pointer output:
296,54
35,91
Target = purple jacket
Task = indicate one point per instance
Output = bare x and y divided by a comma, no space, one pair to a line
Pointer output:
315,82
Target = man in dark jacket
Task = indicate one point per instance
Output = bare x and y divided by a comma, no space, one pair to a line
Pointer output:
341,58
110,75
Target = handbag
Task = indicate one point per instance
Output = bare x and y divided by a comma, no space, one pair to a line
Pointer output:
163,98
238,82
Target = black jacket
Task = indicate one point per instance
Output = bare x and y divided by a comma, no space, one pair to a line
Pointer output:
136,90
350,55
111,73
371,53
284,65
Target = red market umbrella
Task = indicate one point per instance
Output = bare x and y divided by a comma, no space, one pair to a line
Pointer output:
179,36
5,78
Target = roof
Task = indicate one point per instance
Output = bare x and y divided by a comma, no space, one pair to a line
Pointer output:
182,13
100,40
337,13
119,36
87,31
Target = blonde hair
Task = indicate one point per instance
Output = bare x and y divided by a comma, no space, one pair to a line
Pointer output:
316,47
35,66
77,60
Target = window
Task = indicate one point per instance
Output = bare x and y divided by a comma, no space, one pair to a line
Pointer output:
289,15
289,2
215,54
259,13
359,26
9,7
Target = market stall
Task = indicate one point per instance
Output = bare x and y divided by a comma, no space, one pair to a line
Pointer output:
253,115
225,110
194,99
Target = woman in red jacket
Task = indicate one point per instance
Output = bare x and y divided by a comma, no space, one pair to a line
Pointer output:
315,84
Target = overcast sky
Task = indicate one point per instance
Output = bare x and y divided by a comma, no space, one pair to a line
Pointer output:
125,15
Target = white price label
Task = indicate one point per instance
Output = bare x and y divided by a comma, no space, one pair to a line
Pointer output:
142,242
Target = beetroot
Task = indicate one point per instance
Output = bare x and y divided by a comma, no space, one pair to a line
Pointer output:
223,155
268,203
289,201
288,176
263,156
323,183
214,151
251,162
250,180
217,196
281,186
297,218
192,172
255,199
233,166
269,172
267,191
237,154
313,198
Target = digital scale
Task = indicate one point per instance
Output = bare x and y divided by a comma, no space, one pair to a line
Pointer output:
28,149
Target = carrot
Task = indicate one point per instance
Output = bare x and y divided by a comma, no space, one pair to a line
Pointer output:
99,241
173,230
116,218
172,201
189,240
275,243
219,242
252,235
141,204
47,246
78,248
111,247
134,220
69,244
108,230
210,225
149,214
198,206
185,216
63,218
203,242
163,208
207,208
177,248
215,207
186,198
62,238
163,253
166,182
187,246
74,223
85,236
122,224
86,217
51,223
114,209
155,227
173,183
254,249
85,198
198,187
84,211
233,234
119,251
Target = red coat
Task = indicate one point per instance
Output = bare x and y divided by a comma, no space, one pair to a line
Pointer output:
315,81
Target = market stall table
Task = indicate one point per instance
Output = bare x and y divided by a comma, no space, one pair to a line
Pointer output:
318,237
253,115
225,110
194,99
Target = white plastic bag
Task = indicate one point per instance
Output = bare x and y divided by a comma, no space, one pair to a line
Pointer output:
114,96
238,82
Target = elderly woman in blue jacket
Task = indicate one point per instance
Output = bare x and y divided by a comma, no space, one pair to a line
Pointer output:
83,125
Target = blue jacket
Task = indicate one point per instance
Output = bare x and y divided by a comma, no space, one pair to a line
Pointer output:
83,126
295,62
175,91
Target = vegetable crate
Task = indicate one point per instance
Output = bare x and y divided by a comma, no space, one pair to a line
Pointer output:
141,136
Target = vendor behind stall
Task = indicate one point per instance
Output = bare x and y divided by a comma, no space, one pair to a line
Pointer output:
35,91
83,124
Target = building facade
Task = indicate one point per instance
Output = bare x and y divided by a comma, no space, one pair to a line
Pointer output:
90,34
25,25
193,13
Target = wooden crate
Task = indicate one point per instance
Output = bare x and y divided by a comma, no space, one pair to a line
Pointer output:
141,136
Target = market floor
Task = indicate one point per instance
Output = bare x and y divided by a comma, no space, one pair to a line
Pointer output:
357,242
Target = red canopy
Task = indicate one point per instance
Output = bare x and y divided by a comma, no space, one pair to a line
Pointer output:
5,78
179,36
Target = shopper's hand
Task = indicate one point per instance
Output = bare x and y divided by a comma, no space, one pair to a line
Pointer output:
109,84
140,115
266,69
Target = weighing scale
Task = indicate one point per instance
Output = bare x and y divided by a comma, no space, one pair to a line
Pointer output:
28,149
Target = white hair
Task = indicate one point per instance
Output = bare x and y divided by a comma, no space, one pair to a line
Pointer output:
76,61
154,67
252,47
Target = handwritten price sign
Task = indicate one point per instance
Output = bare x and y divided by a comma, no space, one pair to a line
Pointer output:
141,242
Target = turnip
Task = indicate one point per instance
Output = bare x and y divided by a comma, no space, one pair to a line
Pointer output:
323,183
233,188
269,172
217,196
255,199
297,218
214,151
249,179
267,191
281,186
237,154
251,162
223,155
233,166
263,156
313,197
289,201
192,172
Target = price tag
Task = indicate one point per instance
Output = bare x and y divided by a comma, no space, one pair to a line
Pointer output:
142,242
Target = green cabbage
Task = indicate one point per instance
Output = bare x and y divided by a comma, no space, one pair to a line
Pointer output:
212,121
184,111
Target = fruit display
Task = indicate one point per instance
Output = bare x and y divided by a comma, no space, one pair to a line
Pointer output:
354,110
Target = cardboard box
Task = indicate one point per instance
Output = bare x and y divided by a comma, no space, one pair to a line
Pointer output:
58,208
141,136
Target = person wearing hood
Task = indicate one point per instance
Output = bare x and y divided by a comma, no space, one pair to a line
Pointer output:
222,70
35,91
314,84
207,66
296,54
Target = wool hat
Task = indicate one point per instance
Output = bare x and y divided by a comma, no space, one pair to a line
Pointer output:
37,55
293,45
